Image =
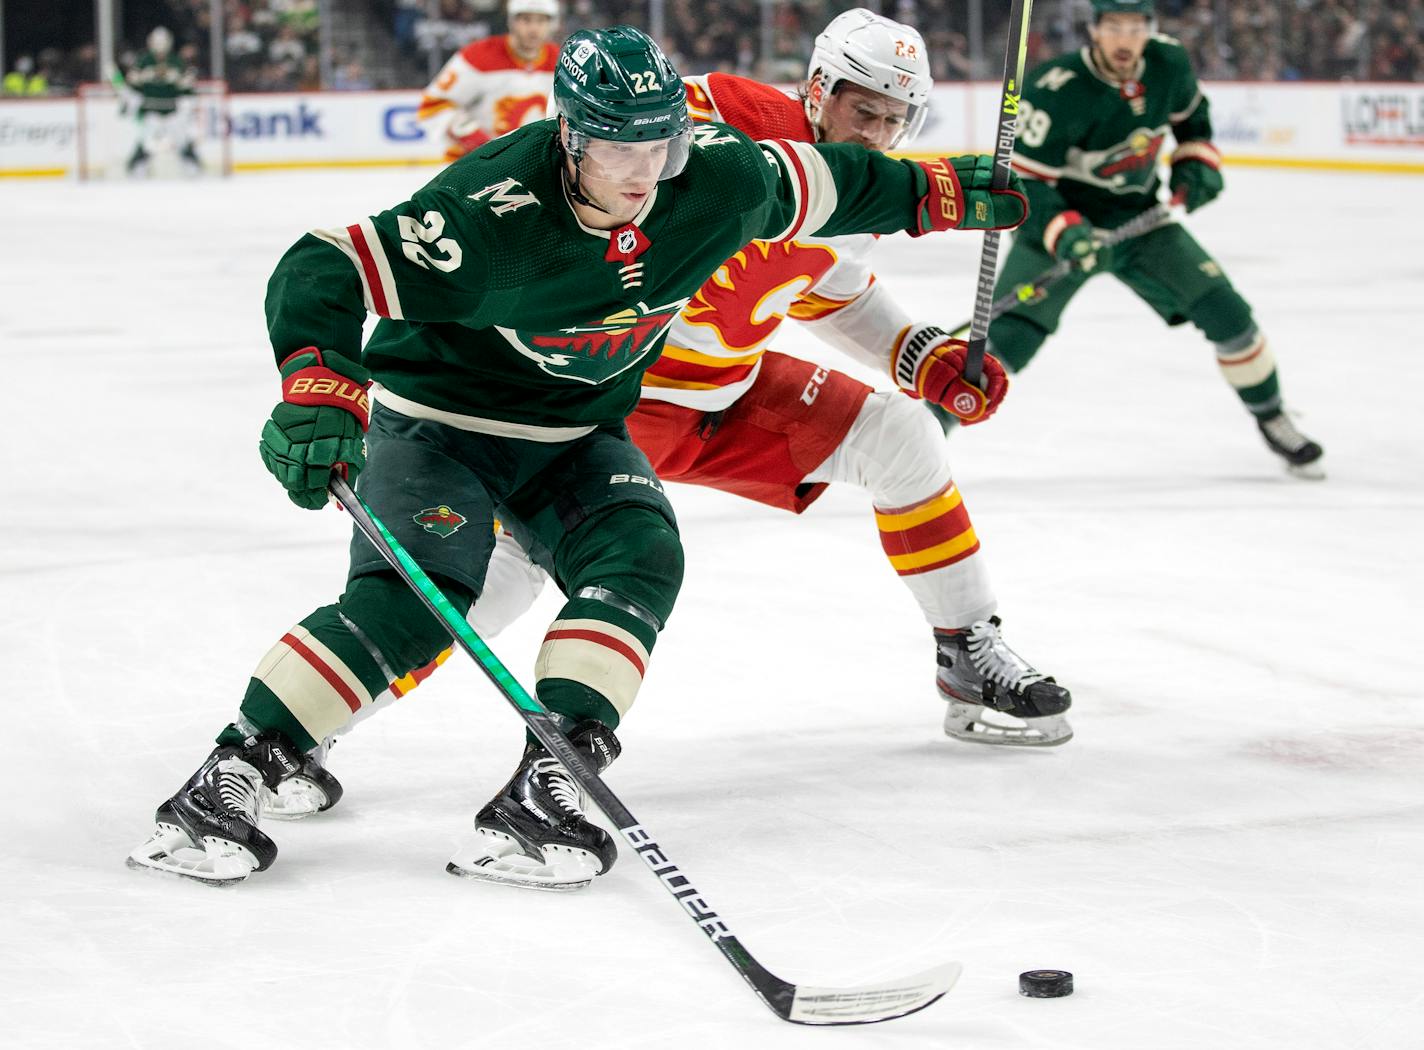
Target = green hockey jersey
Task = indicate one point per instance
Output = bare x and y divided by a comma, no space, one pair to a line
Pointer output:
1091,143
160,82
503,314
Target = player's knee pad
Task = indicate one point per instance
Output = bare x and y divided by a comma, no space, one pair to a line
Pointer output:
393,624
895,450
632,553
1221,315
1014,340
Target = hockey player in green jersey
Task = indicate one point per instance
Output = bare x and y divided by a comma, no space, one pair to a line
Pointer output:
161,81
1091,126
523,293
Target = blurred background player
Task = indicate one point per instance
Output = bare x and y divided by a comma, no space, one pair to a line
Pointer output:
157,84
1091,127
497,84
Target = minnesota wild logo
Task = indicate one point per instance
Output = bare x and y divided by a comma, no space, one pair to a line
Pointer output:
1131,163
440,520
598,351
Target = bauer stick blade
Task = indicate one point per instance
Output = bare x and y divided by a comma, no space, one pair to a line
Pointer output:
871,1002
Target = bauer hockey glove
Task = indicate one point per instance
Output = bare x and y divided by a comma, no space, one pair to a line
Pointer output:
956,196
1196,174
318,426
1071,237
929,364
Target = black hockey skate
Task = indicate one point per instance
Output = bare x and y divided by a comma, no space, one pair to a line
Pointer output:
208,830
1303,456
311,789
533,833
979,673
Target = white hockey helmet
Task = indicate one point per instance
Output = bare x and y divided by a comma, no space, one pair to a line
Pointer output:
875,53
160,41
533,7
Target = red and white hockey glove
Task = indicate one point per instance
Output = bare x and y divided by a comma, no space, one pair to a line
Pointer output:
929,364
1196,174
318,426
464,138
957,196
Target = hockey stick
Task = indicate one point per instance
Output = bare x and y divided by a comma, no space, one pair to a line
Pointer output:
1032,291
1014,56
799,1004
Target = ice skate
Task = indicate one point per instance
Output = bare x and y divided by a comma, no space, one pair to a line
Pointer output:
311,789
208,830
534,833
995,696
1303,456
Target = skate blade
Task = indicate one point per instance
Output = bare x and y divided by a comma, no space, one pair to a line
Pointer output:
1307,471
496,857
967,722
296,798
169,851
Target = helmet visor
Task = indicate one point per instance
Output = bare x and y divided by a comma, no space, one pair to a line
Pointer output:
651,161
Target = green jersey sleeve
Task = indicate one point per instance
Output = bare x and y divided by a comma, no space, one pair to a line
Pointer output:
1190,111
423,260
795,188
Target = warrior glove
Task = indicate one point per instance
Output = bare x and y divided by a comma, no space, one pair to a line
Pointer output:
1072,238
318,427
957,196
929,364
1196,174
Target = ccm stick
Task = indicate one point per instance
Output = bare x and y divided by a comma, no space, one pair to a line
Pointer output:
1014,56
797,1003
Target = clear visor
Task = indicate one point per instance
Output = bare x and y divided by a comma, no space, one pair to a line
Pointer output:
633,162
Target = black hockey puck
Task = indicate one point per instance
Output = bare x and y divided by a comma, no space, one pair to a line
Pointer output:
1045,984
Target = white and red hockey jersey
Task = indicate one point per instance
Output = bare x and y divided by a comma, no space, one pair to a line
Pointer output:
714,348
491,91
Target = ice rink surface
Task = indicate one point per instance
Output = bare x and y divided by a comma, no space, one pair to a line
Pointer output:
1228,855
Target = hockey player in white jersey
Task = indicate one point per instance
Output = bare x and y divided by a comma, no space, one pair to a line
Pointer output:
720,409
492,86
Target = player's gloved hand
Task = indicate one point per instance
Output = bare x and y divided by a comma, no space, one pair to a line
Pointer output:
957,196
1196,174
1070,236
929,364
318,426
465,138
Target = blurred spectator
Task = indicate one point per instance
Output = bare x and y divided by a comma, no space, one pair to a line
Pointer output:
24,81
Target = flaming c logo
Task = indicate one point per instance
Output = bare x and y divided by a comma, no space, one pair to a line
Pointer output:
749,296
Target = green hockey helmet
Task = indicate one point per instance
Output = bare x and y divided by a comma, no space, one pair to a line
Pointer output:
1123,7
616,84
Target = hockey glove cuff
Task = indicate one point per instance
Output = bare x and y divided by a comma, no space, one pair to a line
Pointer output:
1196,174
957,196
318,426
1069,236
929,364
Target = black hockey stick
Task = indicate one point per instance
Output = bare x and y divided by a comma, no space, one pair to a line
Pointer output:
800,1004
1014,56
1032,291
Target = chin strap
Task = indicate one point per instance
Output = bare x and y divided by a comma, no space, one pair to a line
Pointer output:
573,188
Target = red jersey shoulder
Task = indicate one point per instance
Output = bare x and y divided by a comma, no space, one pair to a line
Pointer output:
757,110
493,54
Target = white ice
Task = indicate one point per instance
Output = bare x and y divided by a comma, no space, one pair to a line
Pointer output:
1229,854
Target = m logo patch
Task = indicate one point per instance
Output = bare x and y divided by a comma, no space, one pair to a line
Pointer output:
440,520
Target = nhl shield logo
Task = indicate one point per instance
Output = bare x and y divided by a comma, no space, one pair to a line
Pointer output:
440,520
627,241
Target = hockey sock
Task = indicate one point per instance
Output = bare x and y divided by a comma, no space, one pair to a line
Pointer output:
593,661
339,659
1248,365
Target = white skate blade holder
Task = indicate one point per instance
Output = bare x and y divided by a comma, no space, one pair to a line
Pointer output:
496,857
296,798
170,851
976,724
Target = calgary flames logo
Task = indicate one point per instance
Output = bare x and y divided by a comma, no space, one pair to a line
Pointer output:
750,294
514,111
596,352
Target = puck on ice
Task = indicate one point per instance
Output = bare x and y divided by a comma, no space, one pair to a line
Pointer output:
1045,984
